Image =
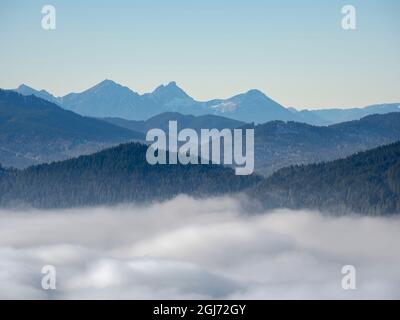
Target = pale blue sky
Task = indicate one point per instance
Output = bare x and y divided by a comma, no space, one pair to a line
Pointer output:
293,50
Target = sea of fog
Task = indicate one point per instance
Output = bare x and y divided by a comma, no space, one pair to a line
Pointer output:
195,249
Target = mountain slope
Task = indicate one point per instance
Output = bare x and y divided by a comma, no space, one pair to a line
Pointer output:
252,106
335,115
365,183
43,94
169,94
116,175
105,99
33,130
279,144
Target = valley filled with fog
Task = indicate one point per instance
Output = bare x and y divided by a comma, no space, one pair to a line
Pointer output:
196,249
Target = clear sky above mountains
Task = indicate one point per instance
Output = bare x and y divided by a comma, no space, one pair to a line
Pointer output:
293,50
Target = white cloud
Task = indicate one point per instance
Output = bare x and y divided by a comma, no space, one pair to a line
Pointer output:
187,248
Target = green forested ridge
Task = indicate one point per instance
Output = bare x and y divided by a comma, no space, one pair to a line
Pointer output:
366,183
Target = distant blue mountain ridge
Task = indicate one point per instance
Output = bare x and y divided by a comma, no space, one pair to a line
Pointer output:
110,99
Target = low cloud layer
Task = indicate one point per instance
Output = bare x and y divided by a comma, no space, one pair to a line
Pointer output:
187,248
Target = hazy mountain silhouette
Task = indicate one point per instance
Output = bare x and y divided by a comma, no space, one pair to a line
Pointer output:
340,115
43,94
109,99
105,99
252,106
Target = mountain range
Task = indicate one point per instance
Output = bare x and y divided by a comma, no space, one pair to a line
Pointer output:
110,99
36,131
33,130
304,164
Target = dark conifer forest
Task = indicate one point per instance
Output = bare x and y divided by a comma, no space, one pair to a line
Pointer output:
116,175
366,183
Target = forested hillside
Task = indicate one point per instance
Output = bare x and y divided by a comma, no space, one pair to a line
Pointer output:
281,144
117,175
365,183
